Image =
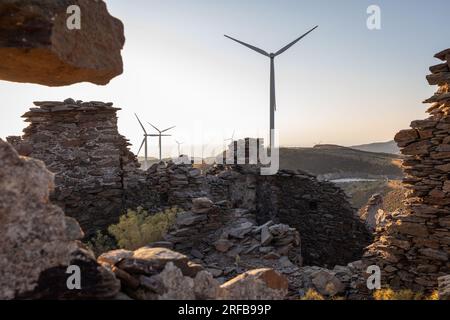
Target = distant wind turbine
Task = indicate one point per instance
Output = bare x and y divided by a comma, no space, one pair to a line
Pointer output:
144,141
160,135
272,74
179,147
232,137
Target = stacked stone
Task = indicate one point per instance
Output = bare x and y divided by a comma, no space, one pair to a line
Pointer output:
414,248
175,184
37,241
217,236
372,212
80,143
332,234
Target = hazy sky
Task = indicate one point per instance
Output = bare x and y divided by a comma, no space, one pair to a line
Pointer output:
343,84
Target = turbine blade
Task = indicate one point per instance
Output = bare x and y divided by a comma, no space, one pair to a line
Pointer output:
140,123
294,42
249,46
154,127
140,148
168,129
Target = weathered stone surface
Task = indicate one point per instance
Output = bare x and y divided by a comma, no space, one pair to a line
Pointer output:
96,176
412,246
370,213
36,45
29,223
405,137
327,283
115,256
157,258
201,205
37,240
444,288
260,284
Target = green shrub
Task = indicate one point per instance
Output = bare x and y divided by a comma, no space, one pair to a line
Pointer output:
101,243
138,228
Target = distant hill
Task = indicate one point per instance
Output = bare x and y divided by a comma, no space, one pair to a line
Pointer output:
383,147
335,162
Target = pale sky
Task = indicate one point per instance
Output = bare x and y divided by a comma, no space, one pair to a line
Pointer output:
342,84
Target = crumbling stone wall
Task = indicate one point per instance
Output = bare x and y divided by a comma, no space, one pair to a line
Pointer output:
37,241
331,232
413,249
80,143
97,177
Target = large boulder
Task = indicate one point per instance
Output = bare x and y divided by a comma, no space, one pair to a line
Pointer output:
259,284
162,274
37,241
36,45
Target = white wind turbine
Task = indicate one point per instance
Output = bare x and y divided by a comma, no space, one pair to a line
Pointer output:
272,74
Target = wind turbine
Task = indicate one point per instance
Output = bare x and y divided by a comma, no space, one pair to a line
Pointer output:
160,135
273,104
144,141
232,137
179,147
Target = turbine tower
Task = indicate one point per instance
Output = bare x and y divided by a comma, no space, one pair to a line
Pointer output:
144,142
160,135
179,147
273,104
230,139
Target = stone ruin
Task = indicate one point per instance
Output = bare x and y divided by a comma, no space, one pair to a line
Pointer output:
413,248
97,178
38,242
79,142
330,231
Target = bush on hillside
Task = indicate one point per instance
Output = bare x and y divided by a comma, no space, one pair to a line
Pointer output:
137,228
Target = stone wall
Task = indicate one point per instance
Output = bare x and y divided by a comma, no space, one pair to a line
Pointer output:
80,143
414,247
97,177
37,241
331,232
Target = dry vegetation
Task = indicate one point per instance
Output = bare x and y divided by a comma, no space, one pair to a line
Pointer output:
384,294
138,228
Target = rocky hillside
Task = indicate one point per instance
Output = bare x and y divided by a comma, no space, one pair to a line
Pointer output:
334,162
379,147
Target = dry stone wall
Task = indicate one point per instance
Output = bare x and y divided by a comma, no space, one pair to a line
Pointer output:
331,232
413,249
97,177
79,142
37,241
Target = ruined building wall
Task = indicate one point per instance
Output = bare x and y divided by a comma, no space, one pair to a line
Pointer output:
413,249
79,142
96,176
331,232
